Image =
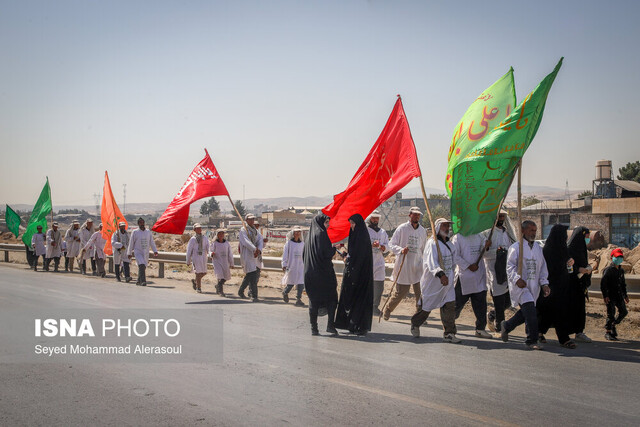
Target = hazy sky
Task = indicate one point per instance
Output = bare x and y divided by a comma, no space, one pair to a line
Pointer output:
288,97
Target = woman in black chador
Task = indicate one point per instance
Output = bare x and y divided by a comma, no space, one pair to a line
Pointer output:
553,310
355,308
579,282
319,276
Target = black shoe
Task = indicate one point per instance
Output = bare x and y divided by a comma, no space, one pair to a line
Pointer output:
285,297
143,284
118,279
138,284
127,279
255,299
314,330
333,331
217,289
299,303
193,282
241,294
103,275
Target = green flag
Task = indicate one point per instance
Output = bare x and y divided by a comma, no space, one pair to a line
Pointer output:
490,107
481,179
13,221
39,215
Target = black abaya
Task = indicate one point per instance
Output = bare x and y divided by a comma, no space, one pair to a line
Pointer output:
553,310
319,276
578,286
355,308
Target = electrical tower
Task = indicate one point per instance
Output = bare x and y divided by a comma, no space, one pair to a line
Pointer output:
124,199
97,197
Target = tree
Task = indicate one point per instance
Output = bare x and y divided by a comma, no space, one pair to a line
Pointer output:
530,200
214,206
630,172
584,194
438,197
205,209
241,209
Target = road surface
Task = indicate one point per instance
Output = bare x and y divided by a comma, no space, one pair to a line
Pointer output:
275,373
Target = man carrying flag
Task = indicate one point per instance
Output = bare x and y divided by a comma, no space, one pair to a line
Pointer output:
54,247
120,243
141,242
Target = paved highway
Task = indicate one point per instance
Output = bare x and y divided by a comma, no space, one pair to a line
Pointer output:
274,372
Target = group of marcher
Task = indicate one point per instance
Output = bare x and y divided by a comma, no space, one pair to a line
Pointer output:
548,286
86,243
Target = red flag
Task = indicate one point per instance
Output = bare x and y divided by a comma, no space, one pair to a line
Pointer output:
389,166
204,181
110,214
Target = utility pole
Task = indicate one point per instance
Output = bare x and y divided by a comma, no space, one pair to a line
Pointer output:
124,198
96,197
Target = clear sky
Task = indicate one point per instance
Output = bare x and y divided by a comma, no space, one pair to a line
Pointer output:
289,96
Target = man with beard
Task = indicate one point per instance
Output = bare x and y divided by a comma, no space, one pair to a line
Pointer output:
39,248
250,245
120,243
197,253
141,241
407,242
96,243
72,237
525,287
379,244
86,231
54,247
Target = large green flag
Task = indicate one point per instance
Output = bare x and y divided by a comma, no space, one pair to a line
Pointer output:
13,221
481,179
487,111
39,215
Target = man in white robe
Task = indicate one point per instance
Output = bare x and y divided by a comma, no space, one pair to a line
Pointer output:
72,237
197,253
471,279
54,247
96,243
437,283
38,248
86,231
293,266
524,289
407,242
222,260
379,245
250,245
120,243
141,242
500,242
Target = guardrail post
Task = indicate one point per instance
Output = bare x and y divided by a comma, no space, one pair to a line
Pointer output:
110,265
161,270
6,256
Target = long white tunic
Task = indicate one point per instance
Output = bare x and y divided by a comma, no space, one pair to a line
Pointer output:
378,256
247,247
97,242
198,254
54,250
72,237
534,272
434,295
85,236
406,236
120,243
469,248
141,242
37,243
499,239
292,261
222,259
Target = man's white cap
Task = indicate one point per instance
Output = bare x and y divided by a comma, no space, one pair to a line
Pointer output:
89,220
75,221
374,214
441,221
415,209
55,224
296,228
249,216
196,225
121,223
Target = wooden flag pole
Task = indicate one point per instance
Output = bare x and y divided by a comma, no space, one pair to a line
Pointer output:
521,243
238,213
433,228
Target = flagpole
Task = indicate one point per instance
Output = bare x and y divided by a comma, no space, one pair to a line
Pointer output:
521,243
51,202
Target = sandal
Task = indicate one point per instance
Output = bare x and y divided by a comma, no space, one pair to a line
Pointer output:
569,344
542,339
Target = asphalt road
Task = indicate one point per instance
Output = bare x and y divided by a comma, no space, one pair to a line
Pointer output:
274,372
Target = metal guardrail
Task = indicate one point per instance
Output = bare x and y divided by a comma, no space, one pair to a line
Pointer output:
274,264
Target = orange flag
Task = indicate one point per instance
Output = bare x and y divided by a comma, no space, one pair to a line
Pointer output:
110,214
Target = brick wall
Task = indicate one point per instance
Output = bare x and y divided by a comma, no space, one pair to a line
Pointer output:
593,222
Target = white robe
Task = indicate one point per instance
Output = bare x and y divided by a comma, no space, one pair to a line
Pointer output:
37,243
434,295
292,260
469,248
247,248
72,237
141,242
120,243
85,236
378,256
198,256
97,242
222,258
405,235
54,251
500,238
534,270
